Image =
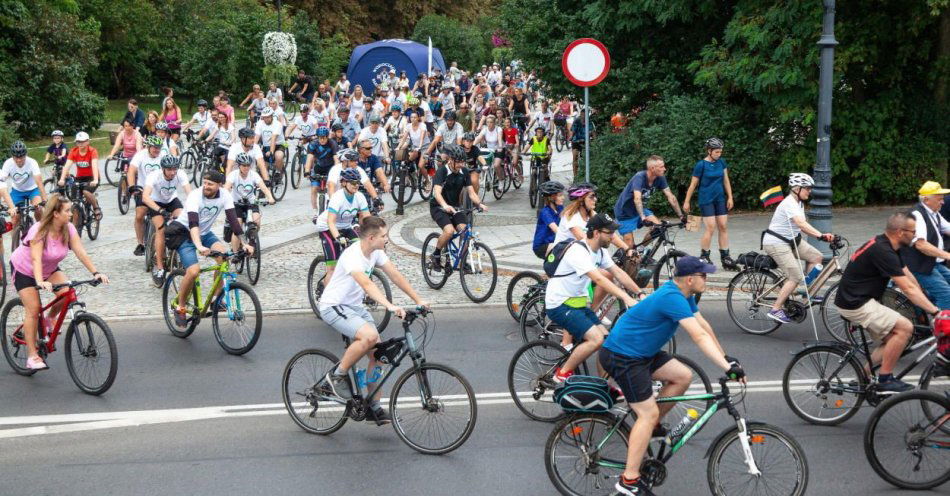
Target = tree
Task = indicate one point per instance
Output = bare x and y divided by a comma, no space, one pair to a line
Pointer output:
460,42
128,38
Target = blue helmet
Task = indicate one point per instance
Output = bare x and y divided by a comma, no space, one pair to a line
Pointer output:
323,131
351,175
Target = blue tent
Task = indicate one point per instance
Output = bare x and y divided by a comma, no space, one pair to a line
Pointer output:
367,61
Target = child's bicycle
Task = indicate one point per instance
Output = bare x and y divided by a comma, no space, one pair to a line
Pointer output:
464,253
236,305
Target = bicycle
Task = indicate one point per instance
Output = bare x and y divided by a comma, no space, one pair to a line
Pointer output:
427,397
298,160
513,173
539,175
122,189
231,302
89,341
116,164
467,255
51,184
527,284
170,255
251,232
591,448
404,182
560,134
278,179
25,221
84,216
910,433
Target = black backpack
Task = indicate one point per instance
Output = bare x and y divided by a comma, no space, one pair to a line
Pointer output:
554,257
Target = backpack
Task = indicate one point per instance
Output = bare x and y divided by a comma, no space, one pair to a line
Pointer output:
554,257
584,393
942,333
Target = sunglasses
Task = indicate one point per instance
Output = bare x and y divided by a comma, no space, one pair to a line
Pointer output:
367,147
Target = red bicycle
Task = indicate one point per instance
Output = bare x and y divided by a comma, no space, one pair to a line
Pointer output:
90,348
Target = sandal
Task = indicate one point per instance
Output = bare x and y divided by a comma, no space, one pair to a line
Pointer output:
97,212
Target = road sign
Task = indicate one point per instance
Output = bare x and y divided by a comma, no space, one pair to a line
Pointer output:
585,62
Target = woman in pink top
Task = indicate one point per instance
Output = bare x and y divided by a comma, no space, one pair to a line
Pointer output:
129,139
35,263
171,114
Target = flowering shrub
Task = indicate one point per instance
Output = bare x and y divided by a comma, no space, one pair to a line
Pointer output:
279,48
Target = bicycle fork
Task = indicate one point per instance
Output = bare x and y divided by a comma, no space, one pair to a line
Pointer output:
746,449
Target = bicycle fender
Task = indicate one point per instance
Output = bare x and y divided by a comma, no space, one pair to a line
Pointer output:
726,432
808,345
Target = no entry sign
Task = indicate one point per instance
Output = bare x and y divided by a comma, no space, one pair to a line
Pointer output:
585,62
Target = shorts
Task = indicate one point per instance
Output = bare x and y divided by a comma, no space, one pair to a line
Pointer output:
633,223
85,182
281,147
541,251
787,260
23,281
634,376
577,145
178,237
876,318
347,319
714,209
331,247
577,321
21,196
442,218
169,207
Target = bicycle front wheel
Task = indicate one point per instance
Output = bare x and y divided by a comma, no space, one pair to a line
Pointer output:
238,328
575,449
836,326
517,290
746,305
435,276
425,186
253,262
170,303
433,409
936,379
3,280
315,283
779,458
479,272
823,386
122,192
108,170
306,395
279,185
534,320
91,356
92,223
296,171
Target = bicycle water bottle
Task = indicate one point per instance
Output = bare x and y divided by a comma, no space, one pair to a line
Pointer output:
362,380
683,426
813,274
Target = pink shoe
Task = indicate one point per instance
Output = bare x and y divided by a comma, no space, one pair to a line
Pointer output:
36,363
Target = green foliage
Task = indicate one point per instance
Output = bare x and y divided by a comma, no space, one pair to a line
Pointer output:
334,57
7,134
462,42
127,43
281,73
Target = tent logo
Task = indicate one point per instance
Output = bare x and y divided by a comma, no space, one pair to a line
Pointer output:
384,66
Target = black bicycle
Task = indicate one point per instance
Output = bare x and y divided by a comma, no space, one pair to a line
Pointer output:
170,256
433,406
404,182
252,233
84,216
25,211
540,174
278,178
298,160
122,189
114,167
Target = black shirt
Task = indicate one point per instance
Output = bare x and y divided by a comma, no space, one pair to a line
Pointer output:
471,157
868,273
452,185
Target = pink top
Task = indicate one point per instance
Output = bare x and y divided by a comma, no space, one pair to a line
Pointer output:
128,144
170,119
53,253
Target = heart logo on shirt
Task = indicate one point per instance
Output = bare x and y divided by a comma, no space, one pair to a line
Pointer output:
245,189
168,190
19,177
208,212
150,168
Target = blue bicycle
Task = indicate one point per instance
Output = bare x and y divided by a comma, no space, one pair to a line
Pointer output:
464,253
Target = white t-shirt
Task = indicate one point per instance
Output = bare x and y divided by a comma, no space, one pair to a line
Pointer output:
321,117
492,138
163,190
343,289
346,208
243,188
571,276
208,209
564,227
266,131
22,177
449,136
417,136
225,136
377,138
209,125
145,165
430,117
276,94
334,175
396,126
202,118
307,127
782,223
255,152
343,86
543,119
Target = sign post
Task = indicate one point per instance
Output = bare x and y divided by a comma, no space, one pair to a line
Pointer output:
585,63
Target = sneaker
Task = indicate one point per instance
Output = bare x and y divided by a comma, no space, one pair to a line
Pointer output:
636,489
705,259
779,316
379,415
339,384
728,263
436,263
894,385
158,275
139,250
315,218
617,394
660,432
181,317
36,363
559,378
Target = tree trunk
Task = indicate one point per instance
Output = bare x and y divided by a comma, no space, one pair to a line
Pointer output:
943,80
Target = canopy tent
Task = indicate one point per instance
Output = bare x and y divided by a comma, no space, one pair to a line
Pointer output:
367,61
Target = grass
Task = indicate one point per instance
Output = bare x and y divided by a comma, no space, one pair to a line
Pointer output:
99,140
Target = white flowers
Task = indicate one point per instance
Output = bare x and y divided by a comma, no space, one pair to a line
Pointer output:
279,48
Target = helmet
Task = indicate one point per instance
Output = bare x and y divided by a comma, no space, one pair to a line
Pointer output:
468,137
580,190
348,154
243,159
246,132
351,175
551,188
267,112
800,179
323,131
57,133
161,126
450,115
202,103
396,107
454,152
714,143
336,127
303,108
82,136
18,149
153,141
602,221
170,162
412,101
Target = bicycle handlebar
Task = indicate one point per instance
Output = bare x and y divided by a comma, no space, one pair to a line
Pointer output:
413,313
228,254
73,284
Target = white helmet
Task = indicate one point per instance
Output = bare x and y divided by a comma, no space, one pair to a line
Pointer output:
82,136
800,179
267,112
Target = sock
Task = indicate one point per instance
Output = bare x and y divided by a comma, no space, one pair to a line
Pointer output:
374,405
628,482
704,253
338,371
723,253
885,377
436,252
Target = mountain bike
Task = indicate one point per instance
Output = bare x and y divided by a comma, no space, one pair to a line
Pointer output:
170,256
122,188
586,452
252,233
907,439
433,407
539,175
91,356
236,304
299,160
278,178
651,264
83,214
25,211
464,253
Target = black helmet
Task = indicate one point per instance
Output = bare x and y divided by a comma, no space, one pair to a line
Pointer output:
450,115
18,149
714,144
202,103
336,127
602,221
551,188
246,132
170,162
454,152
468,136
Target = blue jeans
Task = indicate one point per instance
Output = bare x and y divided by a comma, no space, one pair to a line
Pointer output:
937,285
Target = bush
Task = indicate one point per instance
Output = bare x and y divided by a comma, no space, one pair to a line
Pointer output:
334,57
462,43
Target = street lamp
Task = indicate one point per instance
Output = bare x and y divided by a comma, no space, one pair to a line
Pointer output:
819,215
278,15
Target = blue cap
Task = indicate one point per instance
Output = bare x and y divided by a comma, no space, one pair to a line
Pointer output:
691,265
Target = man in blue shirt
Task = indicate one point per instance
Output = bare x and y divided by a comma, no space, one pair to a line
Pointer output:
350,125
630,209
372,165
633,355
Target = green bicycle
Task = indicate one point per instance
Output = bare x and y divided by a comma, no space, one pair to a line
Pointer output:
236,304
586,452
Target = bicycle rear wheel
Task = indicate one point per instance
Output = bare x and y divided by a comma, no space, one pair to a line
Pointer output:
108,170
441,417
122,193
91,356
531,379
425,186
574,447
380,315
746,306
279,188
479,272
170,303
79,218
778,457
435,278
238,328
3,280
306,395
11,321
296,171
534,320
92,223
517,289
315,284
253,262
817,391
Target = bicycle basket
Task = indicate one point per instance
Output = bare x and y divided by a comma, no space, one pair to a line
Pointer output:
756,260
584,394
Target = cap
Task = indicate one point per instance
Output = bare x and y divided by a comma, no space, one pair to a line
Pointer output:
691,265
932,188
602,221
214,176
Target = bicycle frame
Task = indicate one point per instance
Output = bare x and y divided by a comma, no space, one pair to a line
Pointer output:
48,342
830,269
222,279
455,251
863,348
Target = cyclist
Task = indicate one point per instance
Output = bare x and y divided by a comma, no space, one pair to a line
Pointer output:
249,146
518,107
711,175
269,135
783,240
147,161
335,224
633,356
543,119
371,164
321,155
540,146
377,138
257,106
926,255
566,295
451,181
630,208
346,159
351,127
191,233
578,138
27,178
169,146
548,216
56,152
492,137
336,135
307,125
200,117
128,139
161,194
35,264
414,140
223,133
449,132
341,305
303,86
474,160
244,184
396,123
509,134
86,159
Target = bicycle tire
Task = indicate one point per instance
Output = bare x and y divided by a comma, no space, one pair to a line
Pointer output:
836,327
823,388
188,160
109,166
92,224
517,176
74,334
935,378
198,171
279,188
314,288
169,296
123,196
15,354
149,246
498,187
752,281
253,262
425,186
679,408
296,171
531,379
380,314
435,279
239,307
311,396
514,308
569,430
759,433
404,184
3,280
50,186
471,285
79,221
400,409
534,320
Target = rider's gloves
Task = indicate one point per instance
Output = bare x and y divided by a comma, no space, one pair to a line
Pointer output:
647,223
343,240
735,371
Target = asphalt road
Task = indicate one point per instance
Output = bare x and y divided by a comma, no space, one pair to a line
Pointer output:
165,439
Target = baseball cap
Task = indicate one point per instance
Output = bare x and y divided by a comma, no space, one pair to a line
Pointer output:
691,265
932,188
602,221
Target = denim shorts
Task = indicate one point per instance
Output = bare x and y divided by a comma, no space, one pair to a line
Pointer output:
714,209
634,376
347,319
19,196
188,252
577,321
633,223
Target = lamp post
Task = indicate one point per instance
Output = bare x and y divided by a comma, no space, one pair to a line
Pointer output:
278,15
819,215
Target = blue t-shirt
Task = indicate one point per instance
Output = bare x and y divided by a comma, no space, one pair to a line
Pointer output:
323,155
370,165
543,234
710,176
642,331
624,209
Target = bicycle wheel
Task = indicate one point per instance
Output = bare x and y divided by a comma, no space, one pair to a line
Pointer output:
822,386
574,447
836,326
92,223
518,288
747,308
149,245
380,315
433,409
531,379
434,278
315,283
279,188
108,170
517,175
93,361
534,320
50,186
403,187
123,196
199,170
533,188
906,446
188,161
253,262
296,171
425,186
699,384
936,379
170,302
779,458
305,394
487,176
3,280
479,272
79,219
239,327
11,320
500,185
